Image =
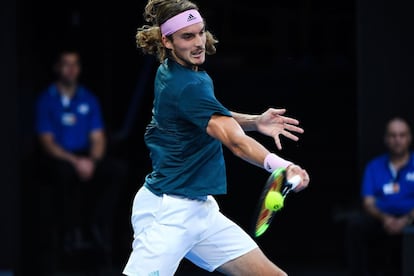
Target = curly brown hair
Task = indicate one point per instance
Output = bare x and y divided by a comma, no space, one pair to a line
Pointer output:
157,12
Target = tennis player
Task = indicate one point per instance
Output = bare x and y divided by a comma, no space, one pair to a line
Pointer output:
174,214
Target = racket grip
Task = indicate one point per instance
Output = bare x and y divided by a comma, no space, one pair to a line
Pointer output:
295,181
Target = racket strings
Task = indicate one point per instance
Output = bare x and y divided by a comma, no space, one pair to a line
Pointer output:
264,215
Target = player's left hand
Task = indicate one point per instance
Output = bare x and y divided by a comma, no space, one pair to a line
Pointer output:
272,123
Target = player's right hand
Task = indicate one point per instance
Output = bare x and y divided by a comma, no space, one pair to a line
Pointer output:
293,170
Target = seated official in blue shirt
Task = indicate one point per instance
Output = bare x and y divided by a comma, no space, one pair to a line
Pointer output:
388,201
70,127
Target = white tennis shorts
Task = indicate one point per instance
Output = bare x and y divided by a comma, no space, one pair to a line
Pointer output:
169,228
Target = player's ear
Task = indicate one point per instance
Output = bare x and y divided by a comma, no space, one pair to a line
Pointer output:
166,42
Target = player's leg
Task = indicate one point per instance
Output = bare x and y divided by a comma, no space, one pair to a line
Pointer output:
155,249
165,229
252,263
227,248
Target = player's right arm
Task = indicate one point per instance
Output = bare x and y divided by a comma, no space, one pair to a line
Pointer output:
229,132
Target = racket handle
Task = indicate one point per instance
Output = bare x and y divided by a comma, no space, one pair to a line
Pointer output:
295,181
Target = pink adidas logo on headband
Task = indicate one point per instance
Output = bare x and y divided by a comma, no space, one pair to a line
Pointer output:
180,21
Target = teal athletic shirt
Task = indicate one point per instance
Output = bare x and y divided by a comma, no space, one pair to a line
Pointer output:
186,161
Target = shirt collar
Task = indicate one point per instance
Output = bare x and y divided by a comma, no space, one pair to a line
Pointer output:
410,162
53,91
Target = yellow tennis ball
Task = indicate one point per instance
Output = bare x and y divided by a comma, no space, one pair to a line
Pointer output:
274,201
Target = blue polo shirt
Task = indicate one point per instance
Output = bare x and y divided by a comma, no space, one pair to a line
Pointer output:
186,161
69,120
393,191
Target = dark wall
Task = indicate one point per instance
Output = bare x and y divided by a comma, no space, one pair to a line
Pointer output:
385,70
296,54
9,157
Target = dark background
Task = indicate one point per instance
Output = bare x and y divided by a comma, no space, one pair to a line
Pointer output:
341,67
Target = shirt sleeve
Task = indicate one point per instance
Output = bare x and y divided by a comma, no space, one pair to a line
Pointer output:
198,104
43,121
96,121
368,183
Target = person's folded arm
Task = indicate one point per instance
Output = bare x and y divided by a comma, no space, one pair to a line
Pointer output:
54,150
372,210
410,217
98,145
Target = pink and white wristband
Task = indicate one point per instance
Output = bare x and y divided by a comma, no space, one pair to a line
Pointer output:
273,162
180,21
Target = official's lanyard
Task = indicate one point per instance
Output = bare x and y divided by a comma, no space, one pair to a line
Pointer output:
394,173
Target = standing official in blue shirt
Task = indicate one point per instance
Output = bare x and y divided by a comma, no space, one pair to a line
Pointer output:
388,201
70,128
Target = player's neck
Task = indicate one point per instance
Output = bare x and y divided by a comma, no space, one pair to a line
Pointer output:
399,160
184,63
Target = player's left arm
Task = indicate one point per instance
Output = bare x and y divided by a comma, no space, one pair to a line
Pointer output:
270,123
229,132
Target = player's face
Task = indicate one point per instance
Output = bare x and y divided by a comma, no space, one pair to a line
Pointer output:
398,137
69,68
188,45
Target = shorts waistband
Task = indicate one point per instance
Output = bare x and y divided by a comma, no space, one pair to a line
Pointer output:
198,198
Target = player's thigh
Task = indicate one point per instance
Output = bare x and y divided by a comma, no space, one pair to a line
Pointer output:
222,242
157,247
253,263
155,252
230,250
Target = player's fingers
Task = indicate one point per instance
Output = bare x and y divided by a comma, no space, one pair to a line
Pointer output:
276,112
289,120
296,170
289,135
305,178
293,128
293,170
301,187
278,143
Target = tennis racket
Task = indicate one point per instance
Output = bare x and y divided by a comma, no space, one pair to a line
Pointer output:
272,198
